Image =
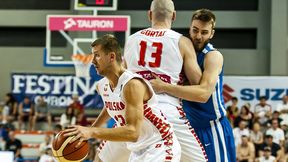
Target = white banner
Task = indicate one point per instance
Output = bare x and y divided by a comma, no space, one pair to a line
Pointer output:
249,89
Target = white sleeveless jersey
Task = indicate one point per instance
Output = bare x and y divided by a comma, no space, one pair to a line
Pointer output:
155,51
154,128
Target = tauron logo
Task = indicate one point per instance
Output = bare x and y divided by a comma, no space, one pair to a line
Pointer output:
227,90
69,23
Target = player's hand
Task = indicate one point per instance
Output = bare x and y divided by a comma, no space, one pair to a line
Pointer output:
157,84
79,132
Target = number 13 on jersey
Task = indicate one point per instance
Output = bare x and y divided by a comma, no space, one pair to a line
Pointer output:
156,54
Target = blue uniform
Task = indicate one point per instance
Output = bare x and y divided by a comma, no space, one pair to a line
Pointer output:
210,122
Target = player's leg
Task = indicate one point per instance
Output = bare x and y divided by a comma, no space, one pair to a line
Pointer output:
228,139
113,151
192,149
167,150
218,141
206,137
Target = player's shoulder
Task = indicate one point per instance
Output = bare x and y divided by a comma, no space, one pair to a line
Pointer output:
211,50
134,36
103,80
213,56
173,34
129,75
138,33
133,84
185,44
101,84
215,52
184,39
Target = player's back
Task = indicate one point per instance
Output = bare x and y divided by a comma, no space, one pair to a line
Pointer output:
155,51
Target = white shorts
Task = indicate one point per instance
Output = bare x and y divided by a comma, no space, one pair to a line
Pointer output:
113,151
192,149
160,152
163,151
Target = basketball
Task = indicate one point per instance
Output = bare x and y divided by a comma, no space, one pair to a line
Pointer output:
64,151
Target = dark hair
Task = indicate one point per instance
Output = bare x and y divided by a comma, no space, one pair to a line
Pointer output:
268,136
11,100
109,43
262,97
267,148
234,98
246,108
205,15
70,116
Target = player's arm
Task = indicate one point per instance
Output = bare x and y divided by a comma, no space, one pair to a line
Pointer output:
190,65
133,94
198,93
103,117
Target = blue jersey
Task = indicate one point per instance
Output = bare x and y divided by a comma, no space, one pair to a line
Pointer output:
200,114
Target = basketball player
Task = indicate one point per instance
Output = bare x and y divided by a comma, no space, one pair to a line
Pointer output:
131,102
207,113
160,51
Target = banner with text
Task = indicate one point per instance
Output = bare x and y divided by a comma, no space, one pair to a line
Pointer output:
249,89
56,89
87,23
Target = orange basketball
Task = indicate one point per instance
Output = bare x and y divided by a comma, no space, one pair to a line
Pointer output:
67,152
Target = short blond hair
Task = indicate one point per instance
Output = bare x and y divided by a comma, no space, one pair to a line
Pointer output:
162,9
109,43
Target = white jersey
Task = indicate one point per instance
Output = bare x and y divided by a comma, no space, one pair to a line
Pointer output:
156,51
154,128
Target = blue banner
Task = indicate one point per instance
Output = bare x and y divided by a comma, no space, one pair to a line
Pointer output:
56,89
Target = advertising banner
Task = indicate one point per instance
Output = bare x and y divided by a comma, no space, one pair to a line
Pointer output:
57,90
87,23
249,89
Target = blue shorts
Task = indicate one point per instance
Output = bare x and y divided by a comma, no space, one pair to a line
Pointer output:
218,141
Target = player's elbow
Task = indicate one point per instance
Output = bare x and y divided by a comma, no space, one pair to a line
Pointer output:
205,95
207,91
134,138
132,134
204,98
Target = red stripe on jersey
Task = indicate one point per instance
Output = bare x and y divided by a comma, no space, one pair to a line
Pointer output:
102,144
148,76
183,115
165,130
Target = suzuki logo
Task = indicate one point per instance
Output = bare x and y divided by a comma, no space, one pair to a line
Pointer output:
69,23
227,90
